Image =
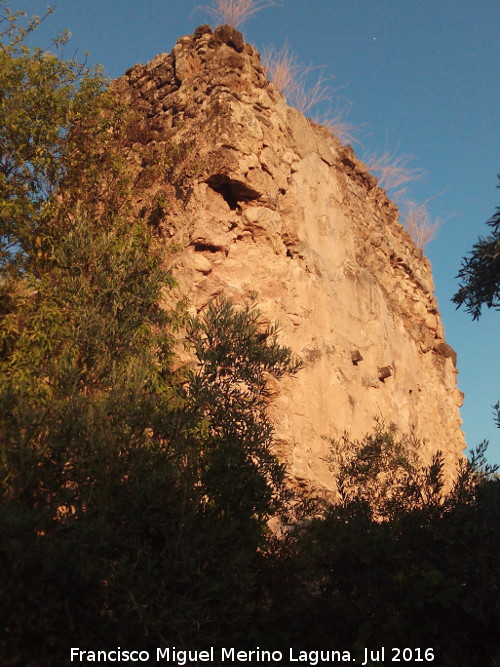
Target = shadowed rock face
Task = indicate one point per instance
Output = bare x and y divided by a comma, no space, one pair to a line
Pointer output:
261,199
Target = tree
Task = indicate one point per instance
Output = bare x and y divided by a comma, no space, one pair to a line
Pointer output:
122,481
385,471
84,391
480,272
42,99
134,495
398,561
237,354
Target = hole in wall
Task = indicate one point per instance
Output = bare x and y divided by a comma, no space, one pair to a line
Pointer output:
356,357
206,247
233,191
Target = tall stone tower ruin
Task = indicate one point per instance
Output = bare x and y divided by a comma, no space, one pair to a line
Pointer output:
259,199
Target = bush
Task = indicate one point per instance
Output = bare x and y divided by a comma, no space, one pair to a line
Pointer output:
397,562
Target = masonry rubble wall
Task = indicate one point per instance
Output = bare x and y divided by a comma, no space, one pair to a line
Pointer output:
257,198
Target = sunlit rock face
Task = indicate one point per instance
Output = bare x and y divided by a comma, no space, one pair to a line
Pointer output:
258,199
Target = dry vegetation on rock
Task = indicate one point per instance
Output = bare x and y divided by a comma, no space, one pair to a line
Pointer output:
419,224
393,172
291,78
394,175
235,12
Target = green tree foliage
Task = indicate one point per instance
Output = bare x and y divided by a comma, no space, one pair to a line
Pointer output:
237,356
386,472
83,395
398,562
42,98
122,483
480,273
133,497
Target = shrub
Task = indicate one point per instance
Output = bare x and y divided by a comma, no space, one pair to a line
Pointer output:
398,561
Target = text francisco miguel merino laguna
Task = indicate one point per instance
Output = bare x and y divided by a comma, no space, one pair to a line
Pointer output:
217,656
231,655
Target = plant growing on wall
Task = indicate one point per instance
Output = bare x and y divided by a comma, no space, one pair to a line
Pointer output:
235,12
291,78
394,173
418,222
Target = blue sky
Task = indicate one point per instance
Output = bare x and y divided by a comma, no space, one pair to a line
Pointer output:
420,77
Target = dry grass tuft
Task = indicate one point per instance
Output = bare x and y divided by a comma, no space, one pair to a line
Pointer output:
282,68
418,223
393,172
394,175
235,12
307,97
338,126
290,78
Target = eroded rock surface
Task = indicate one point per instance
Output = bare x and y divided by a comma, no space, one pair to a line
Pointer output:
260,199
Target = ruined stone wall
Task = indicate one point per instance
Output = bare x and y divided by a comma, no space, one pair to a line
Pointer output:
257,198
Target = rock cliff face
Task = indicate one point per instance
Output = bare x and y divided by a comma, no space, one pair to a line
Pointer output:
259,199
